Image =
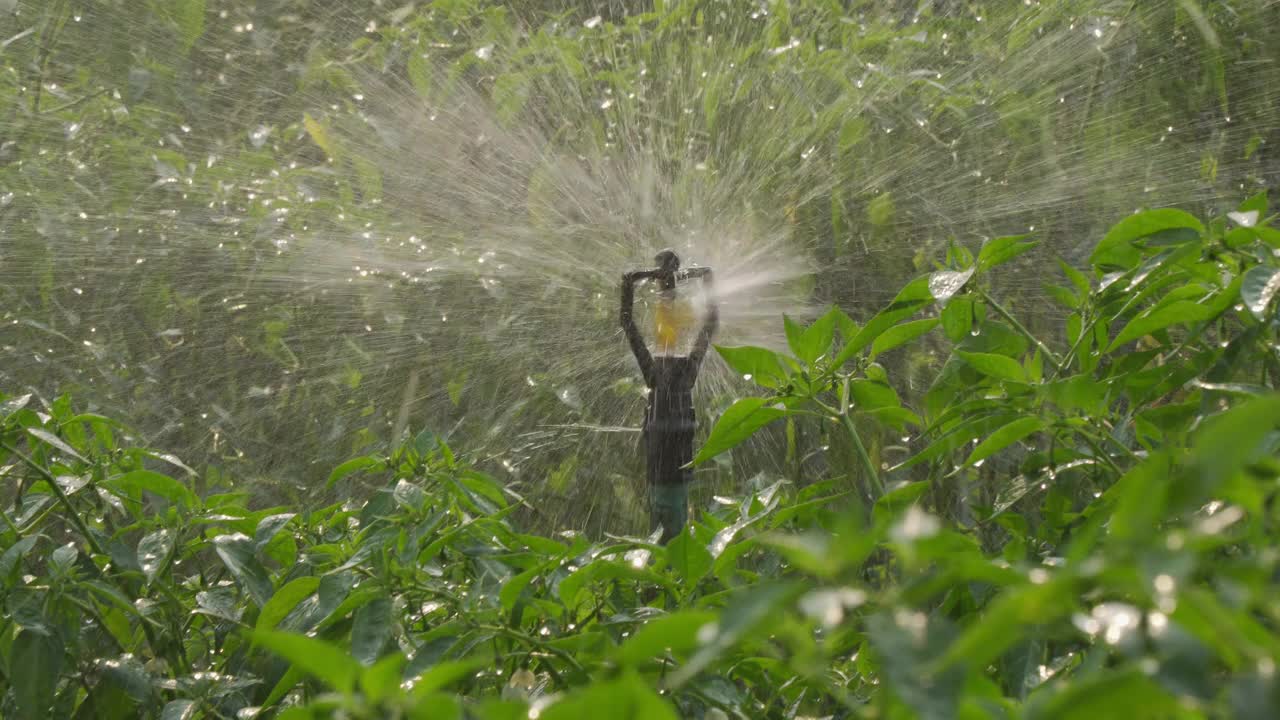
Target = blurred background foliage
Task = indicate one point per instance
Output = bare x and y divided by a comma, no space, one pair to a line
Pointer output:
189,191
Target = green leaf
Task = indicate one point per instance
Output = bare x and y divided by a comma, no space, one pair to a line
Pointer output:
1004,437
514,587
366,462
1182,312
815,341
794,332
237,553
370,630
56,442
269,527
1259,288
1116,248
129,675
689,558
902,334
132,484
996,366
320,659
284,600
748,611
914,296
14,554
627,698
738,423
320,136
383,679
1228,443
442,675
1001,250
1114,693
677,632
153,550
760,365
189,15
880,210
179,710
957,318
35,670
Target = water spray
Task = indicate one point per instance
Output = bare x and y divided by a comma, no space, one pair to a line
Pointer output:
669,421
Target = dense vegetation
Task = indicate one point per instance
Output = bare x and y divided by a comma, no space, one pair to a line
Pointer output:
1129,569
1031,476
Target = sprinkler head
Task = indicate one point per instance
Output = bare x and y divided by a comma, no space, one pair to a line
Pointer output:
668,265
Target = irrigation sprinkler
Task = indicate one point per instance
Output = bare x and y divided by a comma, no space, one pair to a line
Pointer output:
669,421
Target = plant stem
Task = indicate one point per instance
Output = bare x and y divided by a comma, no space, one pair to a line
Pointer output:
62,497
873,475
1049,354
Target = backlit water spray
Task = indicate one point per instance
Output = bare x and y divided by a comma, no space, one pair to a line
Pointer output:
302,235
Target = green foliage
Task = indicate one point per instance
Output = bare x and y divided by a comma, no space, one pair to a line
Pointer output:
1077,532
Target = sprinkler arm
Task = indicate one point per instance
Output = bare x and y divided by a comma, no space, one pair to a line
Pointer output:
626,316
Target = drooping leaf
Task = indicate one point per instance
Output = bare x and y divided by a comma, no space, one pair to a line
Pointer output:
56,442
237,553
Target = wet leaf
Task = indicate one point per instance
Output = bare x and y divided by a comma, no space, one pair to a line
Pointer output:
153,550
676,632
944,284
1259,288
237,553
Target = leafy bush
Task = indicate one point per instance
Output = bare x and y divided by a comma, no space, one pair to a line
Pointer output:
1125,566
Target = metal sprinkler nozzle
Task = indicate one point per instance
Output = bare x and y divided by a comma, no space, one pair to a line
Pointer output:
668,266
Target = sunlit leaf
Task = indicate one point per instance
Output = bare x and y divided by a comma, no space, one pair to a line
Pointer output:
237,553
738,423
